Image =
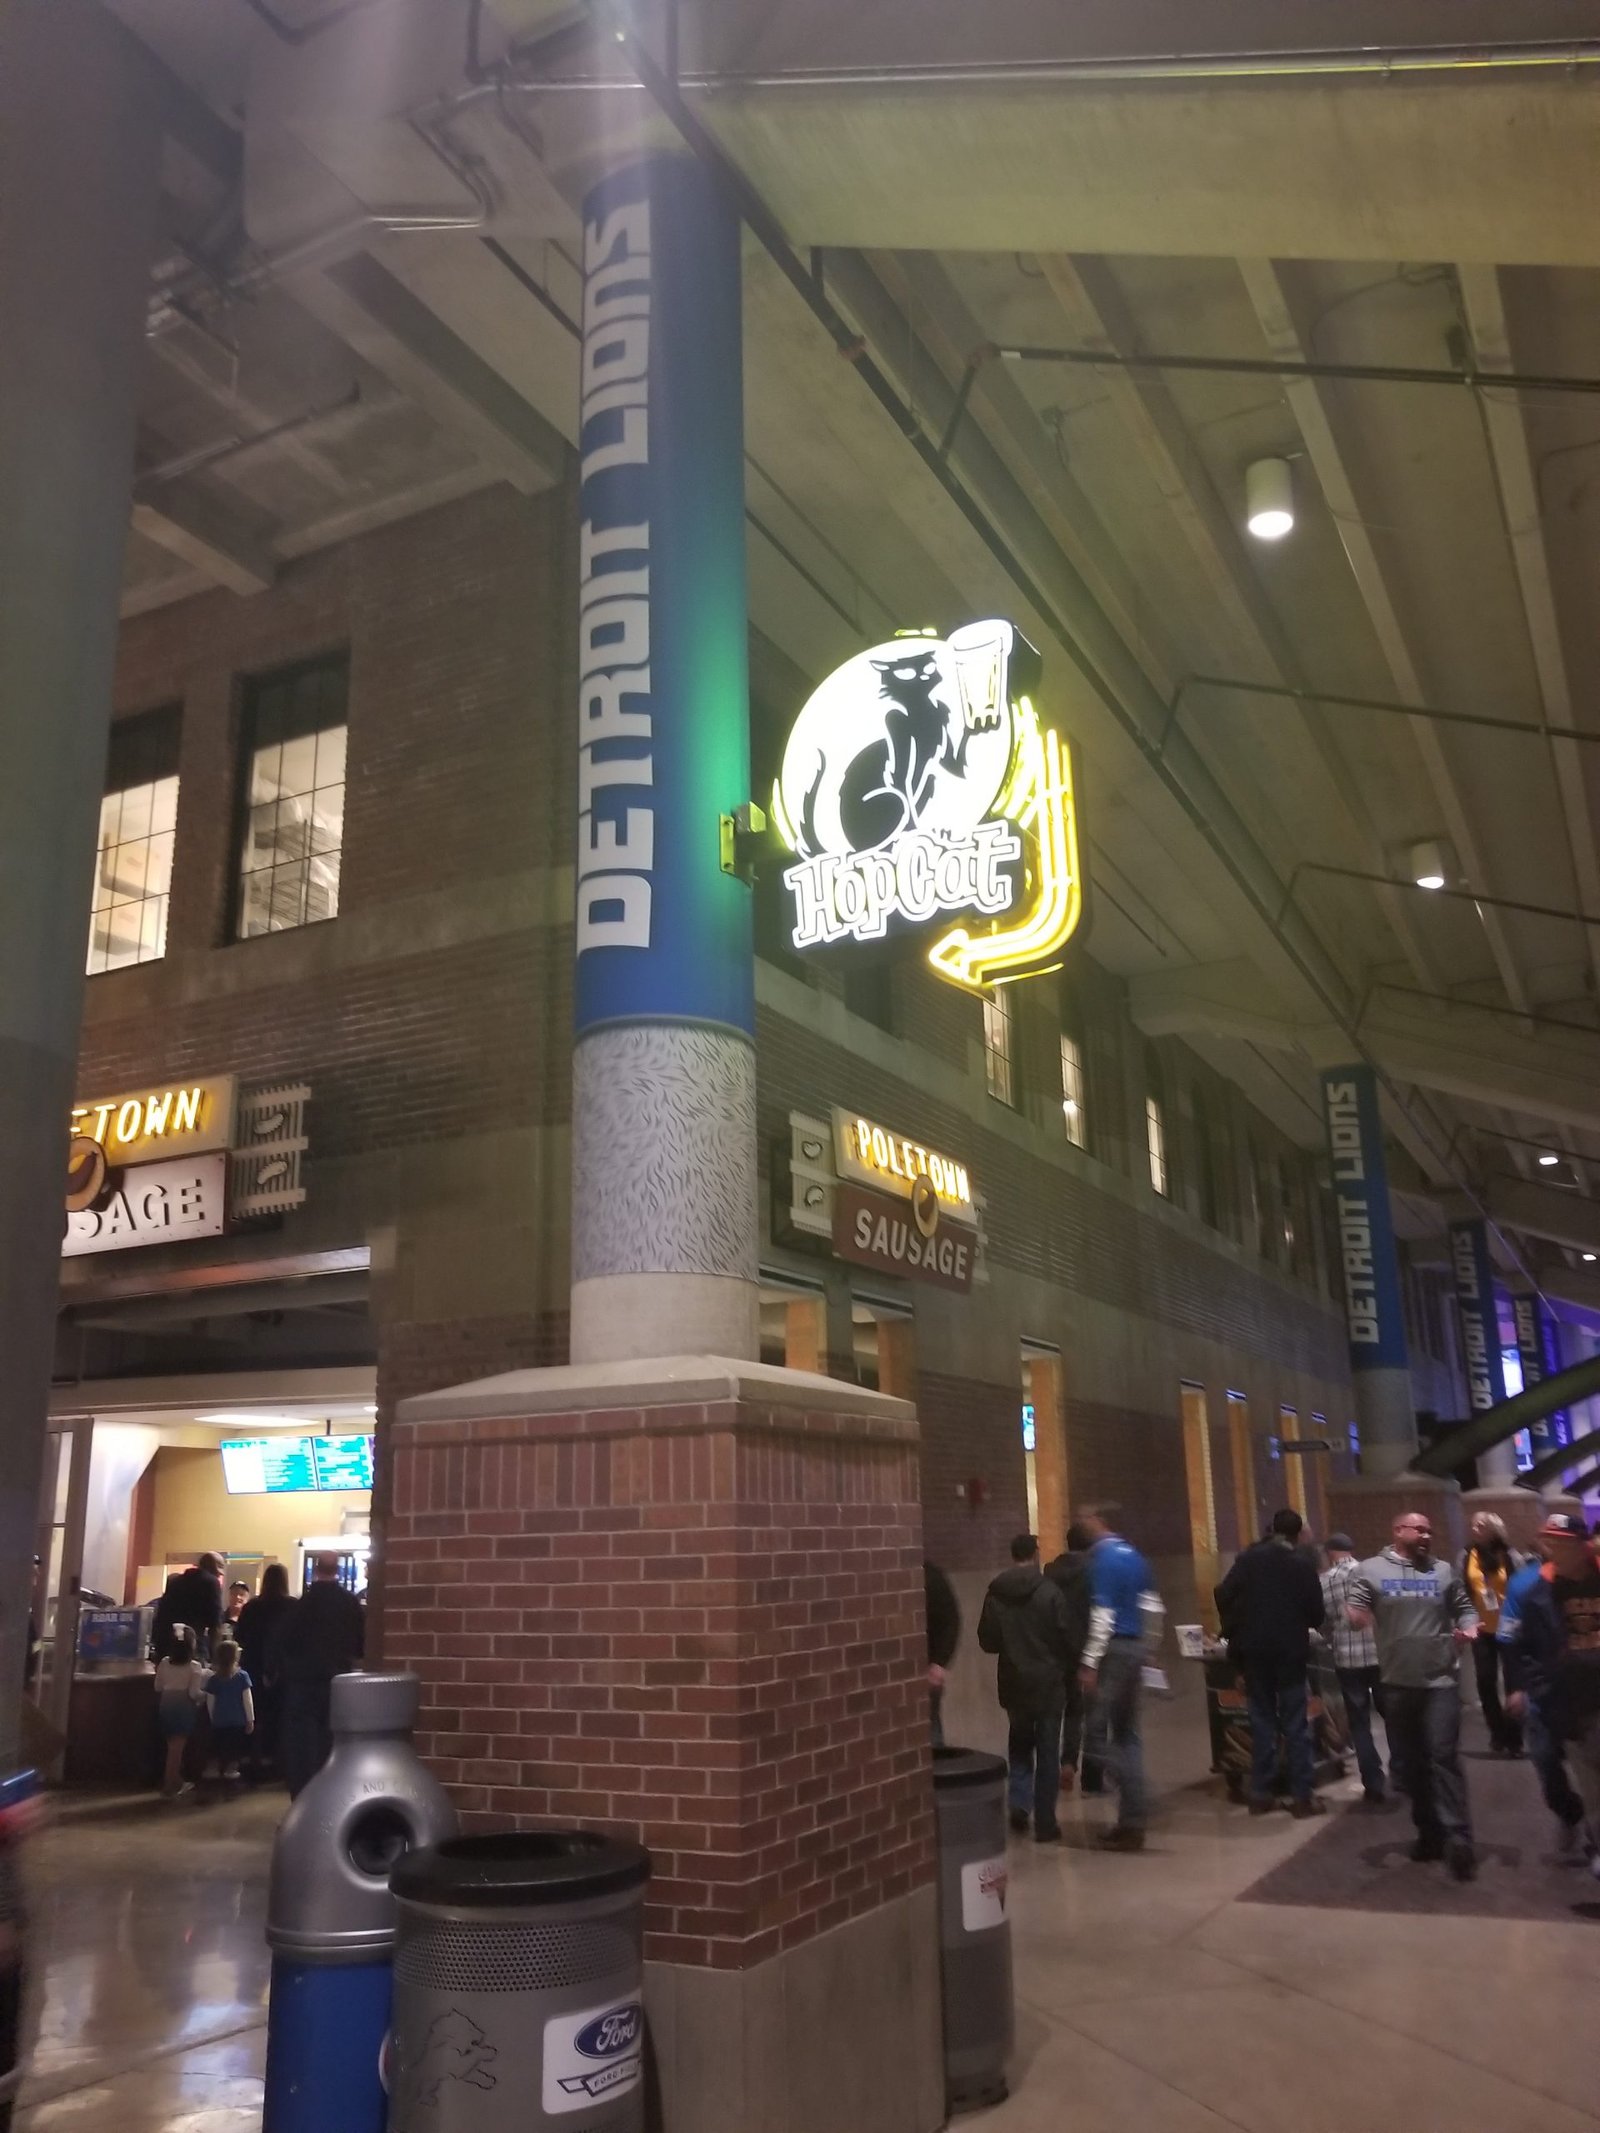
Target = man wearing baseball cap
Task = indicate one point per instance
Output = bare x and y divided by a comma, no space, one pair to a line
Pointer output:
1555,1661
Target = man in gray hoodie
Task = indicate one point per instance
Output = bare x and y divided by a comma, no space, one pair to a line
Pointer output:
1422,1613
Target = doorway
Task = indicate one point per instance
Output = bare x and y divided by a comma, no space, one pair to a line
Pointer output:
1044,1447
1247,1506
1201,1490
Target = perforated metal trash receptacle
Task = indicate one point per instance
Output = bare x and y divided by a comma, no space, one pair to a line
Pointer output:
969,1797
518,1974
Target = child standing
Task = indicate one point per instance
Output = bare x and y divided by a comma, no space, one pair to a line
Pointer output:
232,1707
180,1690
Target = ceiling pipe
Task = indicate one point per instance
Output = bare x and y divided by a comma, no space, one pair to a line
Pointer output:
1284,367
1564,57
1228,684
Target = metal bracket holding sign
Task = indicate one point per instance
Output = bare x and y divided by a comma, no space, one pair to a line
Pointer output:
269,1143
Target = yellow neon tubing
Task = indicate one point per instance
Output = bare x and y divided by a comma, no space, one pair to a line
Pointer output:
1017,951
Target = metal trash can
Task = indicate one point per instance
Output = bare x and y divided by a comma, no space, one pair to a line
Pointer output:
518,1976
331,1918
969,1798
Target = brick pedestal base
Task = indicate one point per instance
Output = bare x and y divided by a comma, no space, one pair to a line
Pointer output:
683,1601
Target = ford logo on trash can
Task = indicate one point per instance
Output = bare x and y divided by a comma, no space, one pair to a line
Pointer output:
613,2032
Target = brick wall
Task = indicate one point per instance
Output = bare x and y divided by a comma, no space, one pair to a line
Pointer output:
700,1625
971,1431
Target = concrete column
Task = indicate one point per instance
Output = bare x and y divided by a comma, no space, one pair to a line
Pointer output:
1480,1340
664,1112
1371,1269
79,155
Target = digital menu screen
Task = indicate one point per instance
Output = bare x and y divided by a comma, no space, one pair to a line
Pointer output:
343,1462
268,1466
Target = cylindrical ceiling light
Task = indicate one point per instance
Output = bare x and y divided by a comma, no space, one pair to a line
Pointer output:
1428,868
1269,498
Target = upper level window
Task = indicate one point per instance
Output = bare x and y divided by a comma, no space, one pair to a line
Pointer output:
1156,1139
294,814
997,1053
1072,1093
133,863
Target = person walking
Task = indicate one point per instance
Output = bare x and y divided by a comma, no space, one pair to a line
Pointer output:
943,1614
1555,1661
1546,1750
260,1630
1268,1604
1487,1568
1422,1614
1026,1624
1355,1662
1125,1617
323,1637
1070,1570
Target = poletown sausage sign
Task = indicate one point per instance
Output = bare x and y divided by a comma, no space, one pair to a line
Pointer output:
913,1237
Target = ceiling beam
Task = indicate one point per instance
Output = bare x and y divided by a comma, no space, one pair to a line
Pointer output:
1507,435
1094,305
410,345
1543,1211
1451,1047
190,522
1274,309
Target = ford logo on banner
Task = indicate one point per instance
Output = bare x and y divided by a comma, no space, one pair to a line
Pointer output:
617,2031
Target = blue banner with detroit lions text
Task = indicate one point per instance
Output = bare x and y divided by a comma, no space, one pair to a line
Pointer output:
663,713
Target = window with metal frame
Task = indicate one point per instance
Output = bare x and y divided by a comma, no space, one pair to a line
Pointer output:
293,829
1073,1116
1155,1134
998,1061
133,858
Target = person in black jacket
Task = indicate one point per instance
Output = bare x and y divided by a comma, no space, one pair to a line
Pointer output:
1026,1622
1268,1604
323,1636
944,1634
260,1632
193,1596
1071,1572
1552,1654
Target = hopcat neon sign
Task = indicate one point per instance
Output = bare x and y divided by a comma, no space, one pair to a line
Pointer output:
918,785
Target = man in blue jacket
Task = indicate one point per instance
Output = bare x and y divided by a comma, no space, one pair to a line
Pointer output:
1125,1616
1554,1661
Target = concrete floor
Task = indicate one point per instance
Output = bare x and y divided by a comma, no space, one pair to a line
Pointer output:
1148,1993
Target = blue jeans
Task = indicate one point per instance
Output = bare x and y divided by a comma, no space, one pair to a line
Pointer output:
1275,1692
1033,1749
1358,1685
1111,1737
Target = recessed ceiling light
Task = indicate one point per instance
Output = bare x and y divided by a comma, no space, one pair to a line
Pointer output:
260,1421
1269,498
1547,1161
1588,1258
